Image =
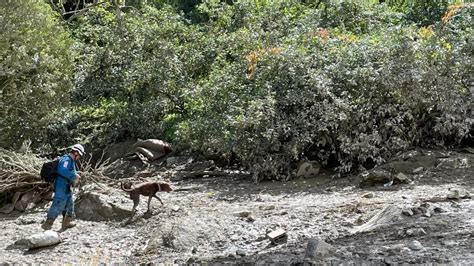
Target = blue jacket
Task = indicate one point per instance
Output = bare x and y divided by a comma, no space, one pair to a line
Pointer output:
66,175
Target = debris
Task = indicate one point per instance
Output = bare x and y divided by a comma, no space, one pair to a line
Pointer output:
153,149
44,239
389,215
277,235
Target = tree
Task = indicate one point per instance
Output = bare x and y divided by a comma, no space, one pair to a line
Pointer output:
35,69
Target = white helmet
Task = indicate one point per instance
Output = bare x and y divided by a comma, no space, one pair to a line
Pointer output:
79,149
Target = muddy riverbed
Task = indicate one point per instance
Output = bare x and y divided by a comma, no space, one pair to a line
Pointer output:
428,219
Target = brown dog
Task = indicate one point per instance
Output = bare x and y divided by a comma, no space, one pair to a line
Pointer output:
146,189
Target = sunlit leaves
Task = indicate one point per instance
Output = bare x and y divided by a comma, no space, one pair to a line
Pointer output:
35,69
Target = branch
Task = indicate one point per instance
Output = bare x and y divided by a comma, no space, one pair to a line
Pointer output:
77,13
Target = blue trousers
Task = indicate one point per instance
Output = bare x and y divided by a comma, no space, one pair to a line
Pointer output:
63,204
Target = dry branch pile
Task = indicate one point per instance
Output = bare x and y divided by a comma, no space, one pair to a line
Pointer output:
19,176
21,186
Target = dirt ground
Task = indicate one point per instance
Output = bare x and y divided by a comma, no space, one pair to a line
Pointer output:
225,220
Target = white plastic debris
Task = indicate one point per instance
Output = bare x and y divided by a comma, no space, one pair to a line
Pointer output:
45,239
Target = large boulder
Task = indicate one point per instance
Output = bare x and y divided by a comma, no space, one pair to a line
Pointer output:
317,249
92,206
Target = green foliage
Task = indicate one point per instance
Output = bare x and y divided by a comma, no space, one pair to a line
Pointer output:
423,13
138,71
35,69
329,94
271,83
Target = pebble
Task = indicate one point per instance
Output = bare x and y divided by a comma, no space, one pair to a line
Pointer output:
415,245
416,232
418,170
240,252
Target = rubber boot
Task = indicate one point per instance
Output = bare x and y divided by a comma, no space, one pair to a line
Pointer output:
67,223
48,224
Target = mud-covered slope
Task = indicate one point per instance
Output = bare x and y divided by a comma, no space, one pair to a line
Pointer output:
226,219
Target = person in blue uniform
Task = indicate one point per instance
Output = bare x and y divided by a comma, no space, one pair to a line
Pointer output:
62,201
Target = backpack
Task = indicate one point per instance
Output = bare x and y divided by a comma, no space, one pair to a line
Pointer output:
48,171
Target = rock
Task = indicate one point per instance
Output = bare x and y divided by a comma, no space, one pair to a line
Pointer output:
317,248
449,243
242,214
368,195
185,233
308,169
401,178
416,232
415,245
240,252
175,208
250,219
7,208
407,212
27,198
375,177
25,221
395,249
454,194
268,208
92,206
418,170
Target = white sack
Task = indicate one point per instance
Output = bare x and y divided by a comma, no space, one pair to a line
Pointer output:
45,239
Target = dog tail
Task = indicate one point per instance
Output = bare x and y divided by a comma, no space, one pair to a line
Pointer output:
125,189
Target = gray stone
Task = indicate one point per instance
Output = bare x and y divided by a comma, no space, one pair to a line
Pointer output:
401,178
375,177
242,214
418,170
317,248
415,245
416,232
407,212
7,208
308,169
93,206
240,252
368,195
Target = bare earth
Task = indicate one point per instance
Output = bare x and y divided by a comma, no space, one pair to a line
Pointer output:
226,219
